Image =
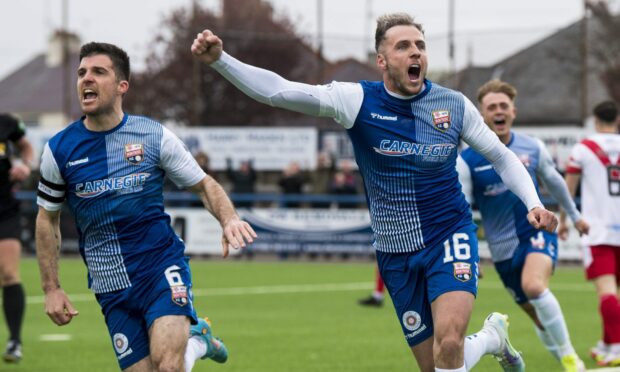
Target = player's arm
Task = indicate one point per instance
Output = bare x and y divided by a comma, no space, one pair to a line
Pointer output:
235,231
572,182
50,196
20,167
184,171
20,170
572,179
559,190
465,179
340,101
512,172
47,237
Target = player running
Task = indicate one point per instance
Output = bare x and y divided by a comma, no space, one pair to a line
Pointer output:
405,132
109,166
523,256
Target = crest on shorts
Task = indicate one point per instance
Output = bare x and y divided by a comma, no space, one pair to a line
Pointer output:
538,241
134,153
441,120
179,295
412,320
121,343
462,271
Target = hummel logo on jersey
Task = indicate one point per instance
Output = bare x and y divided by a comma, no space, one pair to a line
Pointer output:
383,117
77,162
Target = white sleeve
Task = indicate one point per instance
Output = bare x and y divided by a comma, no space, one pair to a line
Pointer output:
51,189
512,172
340,101
575,161
555,183
465,179
177,161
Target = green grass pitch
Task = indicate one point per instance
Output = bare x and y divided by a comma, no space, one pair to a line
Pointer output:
291,316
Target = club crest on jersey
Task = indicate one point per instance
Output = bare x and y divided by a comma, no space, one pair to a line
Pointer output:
462,271
134,153
441,120
525,159
179,294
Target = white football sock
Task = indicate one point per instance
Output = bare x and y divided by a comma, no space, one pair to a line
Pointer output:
550,315
486,341
462,369
548,341
196,349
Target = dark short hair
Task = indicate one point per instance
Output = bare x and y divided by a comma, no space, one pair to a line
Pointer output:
497,86
120,59
606,111
387,21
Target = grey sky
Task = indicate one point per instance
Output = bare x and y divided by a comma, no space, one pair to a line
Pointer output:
486,30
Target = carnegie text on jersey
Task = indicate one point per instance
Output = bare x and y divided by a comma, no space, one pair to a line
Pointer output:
90,189
403,148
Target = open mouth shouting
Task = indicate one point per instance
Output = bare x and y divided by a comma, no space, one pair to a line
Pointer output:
414,71
89,96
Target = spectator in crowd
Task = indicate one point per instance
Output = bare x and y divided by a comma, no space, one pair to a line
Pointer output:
351,180
322,176
204,162
243,180
343,184
292,183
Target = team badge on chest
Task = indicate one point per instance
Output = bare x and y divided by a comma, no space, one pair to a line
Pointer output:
134,153
462,271
441,120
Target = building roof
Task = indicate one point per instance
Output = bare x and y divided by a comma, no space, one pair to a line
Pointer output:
547,75
36,88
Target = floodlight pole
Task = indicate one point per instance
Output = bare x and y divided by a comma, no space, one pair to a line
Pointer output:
319,22
584,63
197,102
451,55
66,65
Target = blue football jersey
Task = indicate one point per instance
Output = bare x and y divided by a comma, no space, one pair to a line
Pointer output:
113,182
504,216
406,150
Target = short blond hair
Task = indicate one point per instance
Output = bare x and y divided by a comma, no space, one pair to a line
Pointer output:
497,86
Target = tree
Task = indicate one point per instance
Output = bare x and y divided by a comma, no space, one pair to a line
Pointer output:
606,46
173,88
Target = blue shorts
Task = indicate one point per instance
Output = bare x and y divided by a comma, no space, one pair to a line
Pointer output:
415,279
129,313
510,270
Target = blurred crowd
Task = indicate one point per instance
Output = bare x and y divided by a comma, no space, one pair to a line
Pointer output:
333,184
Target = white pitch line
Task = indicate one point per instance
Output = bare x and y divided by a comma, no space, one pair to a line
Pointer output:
306,288
616,369
55,337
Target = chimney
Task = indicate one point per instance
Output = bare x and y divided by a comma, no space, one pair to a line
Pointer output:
55,53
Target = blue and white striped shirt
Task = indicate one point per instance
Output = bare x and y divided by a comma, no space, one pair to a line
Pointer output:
113,182
405,147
